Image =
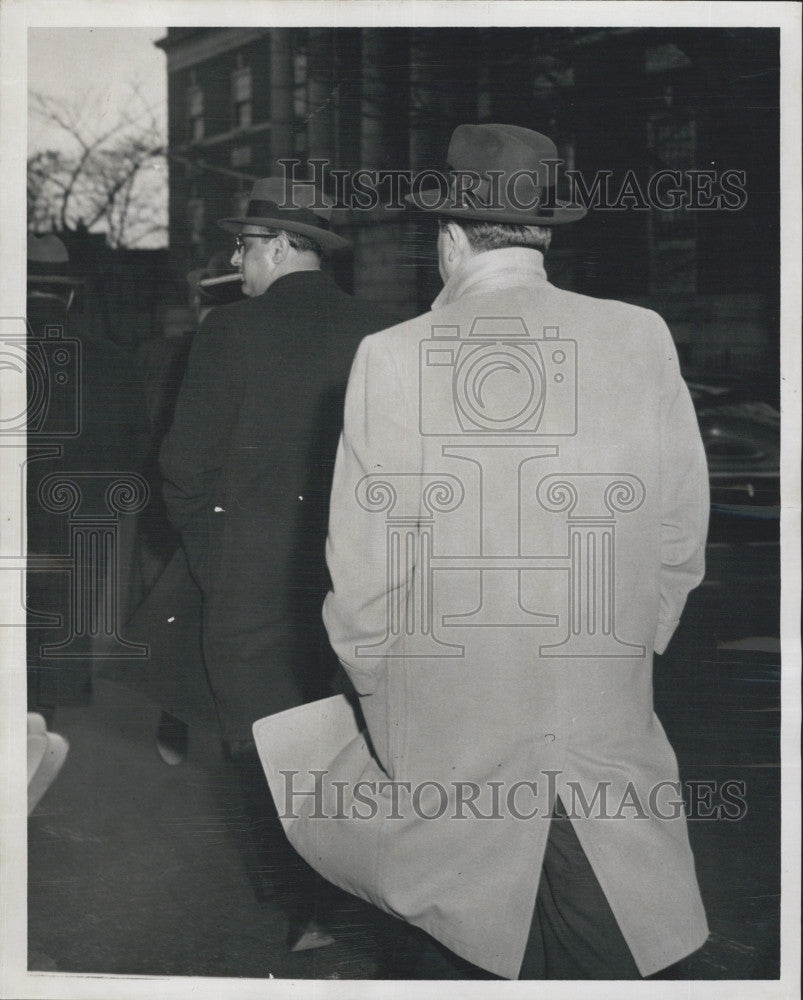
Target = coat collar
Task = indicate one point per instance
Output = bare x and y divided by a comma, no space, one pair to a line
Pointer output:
296,282
493,270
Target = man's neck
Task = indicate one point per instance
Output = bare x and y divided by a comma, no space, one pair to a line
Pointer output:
494,269
285,272
303,262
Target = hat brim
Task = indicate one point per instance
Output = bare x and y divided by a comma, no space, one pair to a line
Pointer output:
53,279
557,214
328,240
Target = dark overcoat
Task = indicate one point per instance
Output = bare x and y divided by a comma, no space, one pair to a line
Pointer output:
247,465
101,400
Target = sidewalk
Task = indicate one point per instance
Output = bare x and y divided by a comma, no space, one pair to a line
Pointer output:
134,866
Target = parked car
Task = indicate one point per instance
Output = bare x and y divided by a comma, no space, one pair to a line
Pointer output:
740,425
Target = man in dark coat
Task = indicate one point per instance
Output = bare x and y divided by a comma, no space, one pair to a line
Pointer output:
248,461
99,390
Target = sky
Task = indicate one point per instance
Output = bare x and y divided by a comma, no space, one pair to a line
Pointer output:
93,64
101,73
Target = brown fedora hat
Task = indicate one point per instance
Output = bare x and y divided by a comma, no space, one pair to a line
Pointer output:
295,206
48,261
500,173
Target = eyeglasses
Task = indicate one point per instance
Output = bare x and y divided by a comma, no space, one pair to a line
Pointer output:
240,238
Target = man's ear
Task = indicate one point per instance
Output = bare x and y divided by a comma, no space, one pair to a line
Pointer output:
280,248
457,244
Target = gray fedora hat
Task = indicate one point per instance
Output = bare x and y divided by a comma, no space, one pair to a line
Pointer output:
500,173
295,206
48,261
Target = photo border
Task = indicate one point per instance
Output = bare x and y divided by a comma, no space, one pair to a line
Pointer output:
16,16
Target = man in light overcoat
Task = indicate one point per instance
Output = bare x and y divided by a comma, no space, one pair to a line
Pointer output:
519,510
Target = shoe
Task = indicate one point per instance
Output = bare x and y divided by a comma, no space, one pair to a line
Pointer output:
310,935
46,754
171,740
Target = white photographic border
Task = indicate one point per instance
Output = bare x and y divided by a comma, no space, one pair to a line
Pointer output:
16,16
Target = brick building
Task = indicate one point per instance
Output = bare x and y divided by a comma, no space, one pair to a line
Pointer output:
622,104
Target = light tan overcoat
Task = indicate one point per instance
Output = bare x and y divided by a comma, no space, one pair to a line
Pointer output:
519,511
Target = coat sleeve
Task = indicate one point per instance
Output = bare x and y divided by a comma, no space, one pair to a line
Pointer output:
378,441
194,450
684,496
190,455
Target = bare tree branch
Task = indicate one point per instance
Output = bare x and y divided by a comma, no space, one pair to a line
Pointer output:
95,178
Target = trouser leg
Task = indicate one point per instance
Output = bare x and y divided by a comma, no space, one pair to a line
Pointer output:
413,954
276,870
574,934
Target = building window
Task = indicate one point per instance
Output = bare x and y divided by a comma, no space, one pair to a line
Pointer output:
239,203
195,220
195,111
241,97
300,84
661,58
672,232
484,93
240,156
550,74
672,142
566,149
300,104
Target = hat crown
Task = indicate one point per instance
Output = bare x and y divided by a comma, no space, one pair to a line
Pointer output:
290,194
505,148
504,174
46,249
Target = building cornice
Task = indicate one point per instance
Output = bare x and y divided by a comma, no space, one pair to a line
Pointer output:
221,138
194,50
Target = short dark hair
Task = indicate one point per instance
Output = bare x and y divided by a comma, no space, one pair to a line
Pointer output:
484,236
303,244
